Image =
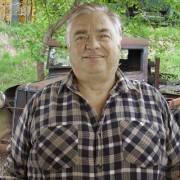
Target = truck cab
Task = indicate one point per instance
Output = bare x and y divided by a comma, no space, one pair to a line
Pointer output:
133,63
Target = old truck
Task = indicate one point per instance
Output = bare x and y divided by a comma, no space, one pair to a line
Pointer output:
134,64
154,11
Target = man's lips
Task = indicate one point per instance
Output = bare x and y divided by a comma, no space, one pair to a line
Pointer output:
93,56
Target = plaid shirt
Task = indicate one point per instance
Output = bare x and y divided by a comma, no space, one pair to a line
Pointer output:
59,135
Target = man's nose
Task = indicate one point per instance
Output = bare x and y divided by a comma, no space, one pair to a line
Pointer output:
92,43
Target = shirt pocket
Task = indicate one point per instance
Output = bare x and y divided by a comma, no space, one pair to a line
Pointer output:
58,147
143,143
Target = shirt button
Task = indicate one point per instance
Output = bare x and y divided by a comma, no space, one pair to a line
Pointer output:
99,167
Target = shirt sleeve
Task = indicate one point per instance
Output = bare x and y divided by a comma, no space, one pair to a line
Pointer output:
172,170
19,147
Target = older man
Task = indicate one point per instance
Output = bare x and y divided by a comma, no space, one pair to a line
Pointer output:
95,124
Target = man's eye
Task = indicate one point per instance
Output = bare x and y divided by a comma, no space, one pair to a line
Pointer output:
80,38
105,37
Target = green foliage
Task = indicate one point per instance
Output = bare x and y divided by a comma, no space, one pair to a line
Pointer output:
16,70
49,12
27,38
163,43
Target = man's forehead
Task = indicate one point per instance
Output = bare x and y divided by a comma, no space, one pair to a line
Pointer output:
95,18
85,30
96,22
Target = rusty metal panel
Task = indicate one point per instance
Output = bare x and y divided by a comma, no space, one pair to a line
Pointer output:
53,43
25,92
26,11
137,44
157,66
20,102
130,41
17,11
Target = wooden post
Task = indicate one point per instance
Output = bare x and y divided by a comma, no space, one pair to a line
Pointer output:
156,76
40,70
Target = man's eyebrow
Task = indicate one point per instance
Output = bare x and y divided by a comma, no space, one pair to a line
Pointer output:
85,31
80,32
103,30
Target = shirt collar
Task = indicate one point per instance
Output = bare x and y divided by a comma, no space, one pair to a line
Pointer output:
69,82
123,84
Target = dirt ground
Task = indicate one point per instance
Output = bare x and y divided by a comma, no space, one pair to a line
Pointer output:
5,44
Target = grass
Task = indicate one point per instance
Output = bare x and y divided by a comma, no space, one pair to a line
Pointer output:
16,70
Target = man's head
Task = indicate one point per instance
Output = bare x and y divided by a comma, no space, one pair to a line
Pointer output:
94,37
90,8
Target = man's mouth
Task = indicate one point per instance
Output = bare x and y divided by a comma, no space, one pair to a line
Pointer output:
93,56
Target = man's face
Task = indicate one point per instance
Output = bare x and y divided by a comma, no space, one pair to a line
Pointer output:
93,47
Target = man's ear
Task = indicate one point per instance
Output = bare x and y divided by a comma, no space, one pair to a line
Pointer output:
68,47
119,46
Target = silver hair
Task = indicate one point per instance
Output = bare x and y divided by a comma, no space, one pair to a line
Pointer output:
90,8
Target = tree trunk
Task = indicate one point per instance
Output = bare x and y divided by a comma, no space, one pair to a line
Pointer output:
48,36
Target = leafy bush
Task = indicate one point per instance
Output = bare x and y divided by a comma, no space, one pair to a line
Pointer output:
16,69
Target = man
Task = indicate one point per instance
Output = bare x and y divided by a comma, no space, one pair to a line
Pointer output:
96,124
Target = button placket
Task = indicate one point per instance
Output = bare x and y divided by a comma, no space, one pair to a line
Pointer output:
99,161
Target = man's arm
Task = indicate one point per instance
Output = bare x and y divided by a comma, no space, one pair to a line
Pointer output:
172,171
19,147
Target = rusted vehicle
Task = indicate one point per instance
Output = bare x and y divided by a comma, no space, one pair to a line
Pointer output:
133,62
154,11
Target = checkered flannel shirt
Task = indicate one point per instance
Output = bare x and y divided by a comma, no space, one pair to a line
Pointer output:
59,135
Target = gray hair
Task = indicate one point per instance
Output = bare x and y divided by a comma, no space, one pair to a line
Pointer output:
90,8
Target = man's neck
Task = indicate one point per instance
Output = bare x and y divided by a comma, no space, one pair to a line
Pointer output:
95,84
96,91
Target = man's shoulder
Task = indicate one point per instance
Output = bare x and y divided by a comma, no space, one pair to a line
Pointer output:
48,90
132,84
142,86
52,88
